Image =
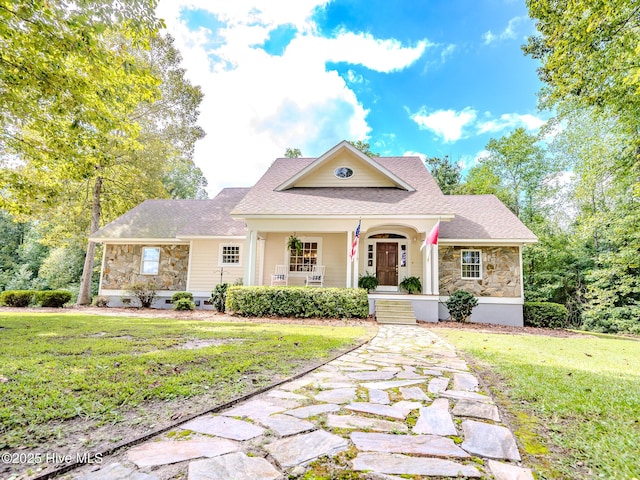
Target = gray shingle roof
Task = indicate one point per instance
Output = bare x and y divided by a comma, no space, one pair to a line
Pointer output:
170,219
483,217
263,199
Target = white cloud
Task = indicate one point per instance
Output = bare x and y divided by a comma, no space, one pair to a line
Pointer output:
256,104
508,33
510,121
410,153
447,124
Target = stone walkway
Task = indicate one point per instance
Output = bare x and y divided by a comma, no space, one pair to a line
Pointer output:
404,404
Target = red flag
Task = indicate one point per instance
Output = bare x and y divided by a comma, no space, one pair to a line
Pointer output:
432,238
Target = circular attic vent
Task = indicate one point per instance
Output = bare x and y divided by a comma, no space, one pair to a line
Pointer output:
343,172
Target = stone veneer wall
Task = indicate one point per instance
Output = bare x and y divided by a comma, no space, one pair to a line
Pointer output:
500,272
122,267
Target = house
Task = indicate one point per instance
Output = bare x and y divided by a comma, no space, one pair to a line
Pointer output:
242,234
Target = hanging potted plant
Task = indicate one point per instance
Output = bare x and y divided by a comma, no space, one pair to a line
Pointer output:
294,244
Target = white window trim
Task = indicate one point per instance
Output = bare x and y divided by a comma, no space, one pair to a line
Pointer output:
220,255
317,240
462,263
142,261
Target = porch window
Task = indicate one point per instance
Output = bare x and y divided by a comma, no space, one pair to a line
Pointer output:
305,259
229,255
150,261
471,264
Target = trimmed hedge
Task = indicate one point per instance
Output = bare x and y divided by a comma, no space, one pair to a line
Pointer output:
545,315
460,304
16,298
301,302
184,304
53,298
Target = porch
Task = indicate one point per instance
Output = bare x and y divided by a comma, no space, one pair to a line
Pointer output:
396,307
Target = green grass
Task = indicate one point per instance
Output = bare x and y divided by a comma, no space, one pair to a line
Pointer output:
576,401
66,366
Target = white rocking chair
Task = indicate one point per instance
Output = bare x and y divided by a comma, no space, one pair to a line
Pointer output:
316,279
281,276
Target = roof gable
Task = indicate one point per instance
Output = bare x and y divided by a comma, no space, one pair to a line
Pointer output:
363,171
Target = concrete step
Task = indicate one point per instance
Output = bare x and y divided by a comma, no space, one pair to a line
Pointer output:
398,312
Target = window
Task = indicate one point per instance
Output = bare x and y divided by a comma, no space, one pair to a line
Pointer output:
471,266
150,261
343,172
305,259
230,255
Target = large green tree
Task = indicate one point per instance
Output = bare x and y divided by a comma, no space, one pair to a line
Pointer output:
446,173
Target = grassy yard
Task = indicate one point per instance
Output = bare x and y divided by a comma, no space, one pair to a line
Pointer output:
576,400
93,368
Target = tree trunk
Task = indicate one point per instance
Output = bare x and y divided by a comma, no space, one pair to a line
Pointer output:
84,296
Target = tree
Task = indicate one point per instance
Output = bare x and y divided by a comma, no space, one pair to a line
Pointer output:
446,174
519,162
589,56
292,153
364,147
104,141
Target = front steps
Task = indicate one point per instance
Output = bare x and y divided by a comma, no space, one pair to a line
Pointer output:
398,312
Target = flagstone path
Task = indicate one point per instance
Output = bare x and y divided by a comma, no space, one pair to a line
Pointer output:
404,404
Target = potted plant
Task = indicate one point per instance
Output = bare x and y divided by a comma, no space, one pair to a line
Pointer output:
368,281
411,285
294,244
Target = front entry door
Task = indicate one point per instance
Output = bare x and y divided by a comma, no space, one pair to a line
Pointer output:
387,263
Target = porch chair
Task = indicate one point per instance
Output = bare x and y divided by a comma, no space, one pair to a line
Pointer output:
316,279
280,277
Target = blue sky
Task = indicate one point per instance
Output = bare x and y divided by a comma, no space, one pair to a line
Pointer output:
422,77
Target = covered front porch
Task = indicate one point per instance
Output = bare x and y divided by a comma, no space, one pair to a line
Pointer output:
387,250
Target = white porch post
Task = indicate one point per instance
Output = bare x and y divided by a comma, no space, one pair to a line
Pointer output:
356,267
250,265
435,285
261,266
349,274
426,271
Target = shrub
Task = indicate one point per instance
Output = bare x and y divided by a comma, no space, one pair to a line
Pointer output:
16,298
301,302
184,304
368,281
100,301
145,293
411,285
219,296
545,314
613,320
460,305
53,298
179,295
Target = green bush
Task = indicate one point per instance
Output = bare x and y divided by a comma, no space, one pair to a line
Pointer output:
460,305
179,295
613,320
16,298
301,302
368,281
184,304
545,315
219,296
411,285
145,293
53,298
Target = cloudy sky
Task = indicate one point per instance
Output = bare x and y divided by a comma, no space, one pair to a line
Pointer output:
427,77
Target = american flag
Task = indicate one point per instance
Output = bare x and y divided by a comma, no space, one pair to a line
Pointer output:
354,245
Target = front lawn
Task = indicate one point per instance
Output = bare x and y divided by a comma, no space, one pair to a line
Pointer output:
56,369
575,400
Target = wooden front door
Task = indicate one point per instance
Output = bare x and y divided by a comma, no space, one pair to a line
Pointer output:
387,263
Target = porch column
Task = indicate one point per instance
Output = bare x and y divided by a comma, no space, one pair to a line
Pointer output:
356,267
348,249
250,265
435,285
426,272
